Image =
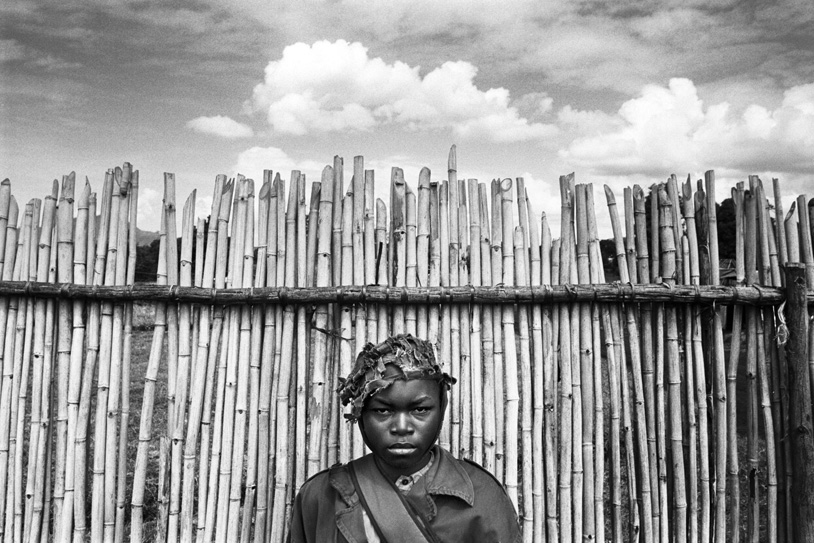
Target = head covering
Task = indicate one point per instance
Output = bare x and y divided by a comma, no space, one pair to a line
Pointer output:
414,357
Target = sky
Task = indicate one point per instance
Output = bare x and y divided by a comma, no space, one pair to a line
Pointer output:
619,92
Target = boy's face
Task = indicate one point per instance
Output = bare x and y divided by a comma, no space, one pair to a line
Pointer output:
401,422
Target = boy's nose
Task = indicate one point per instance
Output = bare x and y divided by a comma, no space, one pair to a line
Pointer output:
401,424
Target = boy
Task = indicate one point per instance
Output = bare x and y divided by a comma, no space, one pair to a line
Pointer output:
408,489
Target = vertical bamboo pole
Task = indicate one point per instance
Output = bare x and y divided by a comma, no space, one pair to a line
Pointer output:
5,205
318,408
247,370
370,252
282,468
537,389
121,490
411,262
719,371
40,384
526,379
9,307
398,242
497,315
346,433
630,238
382,273
510,349
800,398
148,400
302,361
434,272
117,359
476,331
584,395
566,370
444,342
488,344
597,276
465,384
65,247
455,401
668,273
698,370
423,247
22,357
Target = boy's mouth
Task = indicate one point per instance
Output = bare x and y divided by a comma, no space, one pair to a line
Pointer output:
401,448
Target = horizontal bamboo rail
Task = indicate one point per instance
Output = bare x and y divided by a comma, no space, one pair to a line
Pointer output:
755,295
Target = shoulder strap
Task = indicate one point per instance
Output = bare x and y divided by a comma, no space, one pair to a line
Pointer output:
389,512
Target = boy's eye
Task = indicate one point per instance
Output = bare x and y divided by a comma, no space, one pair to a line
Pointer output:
381,410
423,410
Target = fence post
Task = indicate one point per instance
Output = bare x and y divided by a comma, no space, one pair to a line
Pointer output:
802,438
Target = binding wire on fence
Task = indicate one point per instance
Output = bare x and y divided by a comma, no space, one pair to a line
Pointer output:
604,420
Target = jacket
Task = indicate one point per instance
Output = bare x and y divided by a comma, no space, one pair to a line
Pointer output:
461,500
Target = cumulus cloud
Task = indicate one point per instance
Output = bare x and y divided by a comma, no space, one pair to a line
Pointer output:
668,129
219,125
331,87
253,161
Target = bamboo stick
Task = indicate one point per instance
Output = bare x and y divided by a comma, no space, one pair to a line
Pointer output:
9,309
148,399
282,468
668,272
22,357
248,364
177,431
583,396
318,377
423,248
434,275
497,277
488,341
347,436
698,370
299,473
566,409
465,384
476,330
455,400
210,463
40,384
525,398
5,205
510,365
64,249
382,272
719,372
411,261
371,270
444,346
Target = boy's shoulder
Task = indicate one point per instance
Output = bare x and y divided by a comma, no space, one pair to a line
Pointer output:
334,478
476,471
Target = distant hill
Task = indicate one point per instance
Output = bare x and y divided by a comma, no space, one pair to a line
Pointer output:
143,237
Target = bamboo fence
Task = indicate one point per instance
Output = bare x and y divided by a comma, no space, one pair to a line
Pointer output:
624,410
